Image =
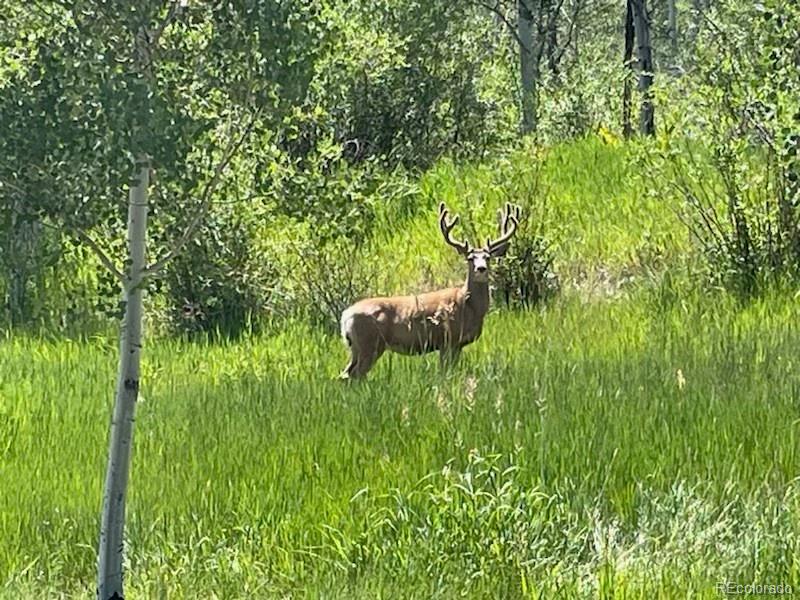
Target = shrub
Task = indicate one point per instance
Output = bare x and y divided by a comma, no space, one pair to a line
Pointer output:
741,182
223,282
330,278
525,276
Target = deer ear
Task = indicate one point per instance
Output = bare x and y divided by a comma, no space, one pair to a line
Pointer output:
500,250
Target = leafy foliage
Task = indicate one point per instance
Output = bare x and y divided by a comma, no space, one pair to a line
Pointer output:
525,276
405,81
171,81
225,279
744,209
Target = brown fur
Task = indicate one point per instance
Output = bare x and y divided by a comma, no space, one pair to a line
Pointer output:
445,320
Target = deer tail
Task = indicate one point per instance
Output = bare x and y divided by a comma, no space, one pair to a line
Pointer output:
346,324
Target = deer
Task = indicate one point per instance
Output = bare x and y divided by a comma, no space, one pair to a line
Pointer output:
445,320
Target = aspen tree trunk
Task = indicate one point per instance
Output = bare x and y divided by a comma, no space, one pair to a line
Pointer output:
627,63
529,67
550,12
109,570
672,25
17,275
642,26
24,239
693,24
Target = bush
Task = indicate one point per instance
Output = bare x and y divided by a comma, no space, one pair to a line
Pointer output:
741,182
223,283
330,278
524,277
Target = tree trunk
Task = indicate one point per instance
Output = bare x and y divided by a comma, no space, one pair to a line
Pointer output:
577,28
497,37
642,26
17,268
109,576
693,24
23,262
551,13
672,26
529,67
627,63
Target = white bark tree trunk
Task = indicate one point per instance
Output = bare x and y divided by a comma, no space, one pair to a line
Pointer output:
529,65
642,26
109,584
672,24
627,63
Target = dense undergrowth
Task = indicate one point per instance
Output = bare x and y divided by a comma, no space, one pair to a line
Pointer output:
586,201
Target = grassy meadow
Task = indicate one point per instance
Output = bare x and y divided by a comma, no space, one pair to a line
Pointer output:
636,443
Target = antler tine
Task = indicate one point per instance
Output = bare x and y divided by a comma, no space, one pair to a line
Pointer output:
504,218
509,216
447,227
509,211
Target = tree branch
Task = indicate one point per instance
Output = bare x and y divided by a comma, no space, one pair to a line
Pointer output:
512,28
99,252
88,240
172,14
12,186
570,31
78,233
205,199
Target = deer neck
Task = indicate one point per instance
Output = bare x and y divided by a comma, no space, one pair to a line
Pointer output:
476,294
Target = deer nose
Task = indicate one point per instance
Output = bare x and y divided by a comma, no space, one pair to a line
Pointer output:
481,268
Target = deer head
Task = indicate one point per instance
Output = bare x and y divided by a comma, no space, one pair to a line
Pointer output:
478,258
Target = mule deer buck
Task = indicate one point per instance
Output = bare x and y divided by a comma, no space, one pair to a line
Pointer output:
444,320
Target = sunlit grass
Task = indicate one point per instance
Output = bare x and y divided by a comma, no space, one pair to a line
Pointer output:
641,446
590,197
586,447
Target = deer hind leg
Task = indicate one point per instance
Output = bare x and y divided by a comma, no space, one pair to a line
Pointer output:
345,374
365,347
368,352
348,335
351,367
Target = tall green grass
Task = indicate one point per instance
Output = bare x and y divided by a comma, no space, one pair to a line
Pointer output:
640,447
614,449
590,197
